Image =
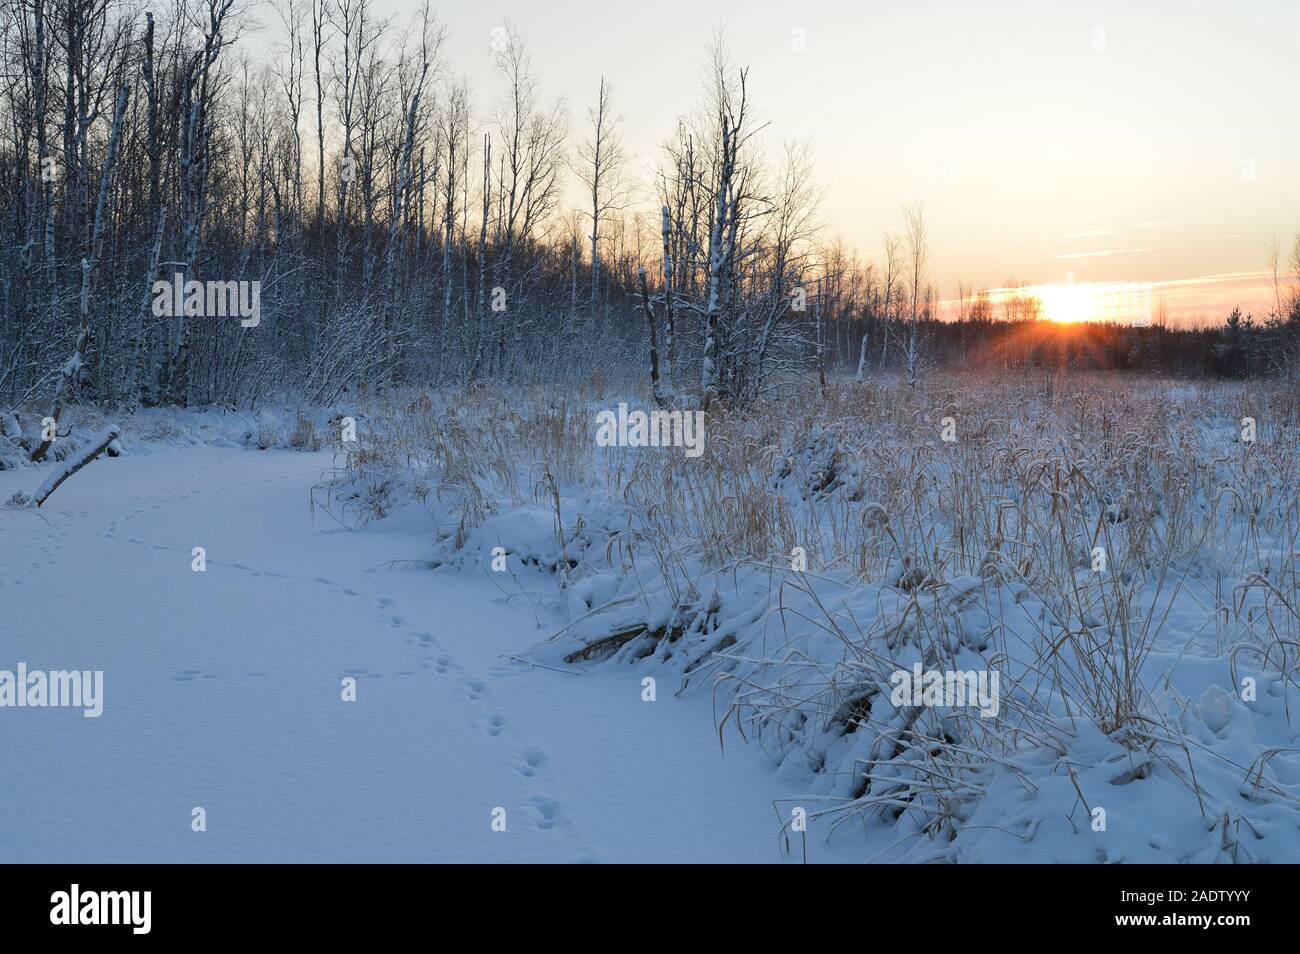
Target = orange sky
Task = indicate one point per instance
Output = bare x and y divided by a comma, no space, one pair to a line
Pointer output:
1187,302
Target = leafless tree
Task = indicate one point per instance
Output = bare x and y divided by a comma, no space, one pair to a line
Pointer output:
916,241
599,166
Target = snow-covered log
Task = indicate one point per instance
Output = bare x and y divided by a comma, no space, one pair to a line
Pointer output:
96,446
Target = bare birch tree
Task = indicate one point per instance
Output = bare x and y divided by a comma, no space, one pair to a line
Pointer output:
599,166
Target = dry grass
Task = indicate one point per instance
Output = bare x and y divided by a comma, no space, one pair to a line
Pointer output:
944,544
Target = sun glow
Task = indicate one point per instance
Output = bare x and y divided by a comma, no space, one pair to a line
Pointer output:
1067,303
1075,302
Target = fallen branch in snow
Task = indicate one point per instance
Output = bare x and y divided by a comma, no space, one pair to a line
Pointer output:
537,665
93,449
606,646
617,601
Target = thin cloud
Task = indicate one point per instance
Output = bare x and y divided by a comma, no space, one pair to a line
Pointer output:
1103,253
1216,279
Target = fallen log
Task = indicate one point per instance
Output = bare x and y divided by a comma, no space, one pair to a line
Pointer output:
93,448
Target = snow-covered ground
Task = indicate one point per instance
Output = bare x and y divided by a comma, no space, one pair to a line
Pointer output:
1122,560
223,690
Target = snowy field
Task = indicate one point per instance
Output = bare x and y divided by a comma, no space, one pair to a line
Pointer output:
222,690
500,586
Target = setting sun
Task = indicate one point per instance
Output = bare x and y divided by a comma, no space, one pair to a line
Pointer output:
1067,303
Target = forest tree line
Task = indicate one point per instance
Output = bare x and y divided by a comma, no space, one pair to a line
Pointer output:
402,227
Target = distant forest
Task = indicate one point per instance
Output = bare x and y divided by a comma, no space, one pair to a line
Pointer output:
1242,347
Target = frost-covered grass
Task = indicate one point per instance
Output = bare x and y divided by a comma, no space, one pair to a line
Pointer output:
1111,548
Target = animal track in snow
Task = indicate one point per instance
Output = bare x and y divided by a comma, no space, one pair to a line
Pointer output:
531,762
547,812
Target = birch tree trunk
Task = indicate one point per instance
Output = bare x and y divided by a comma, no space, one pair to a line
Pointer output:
72,368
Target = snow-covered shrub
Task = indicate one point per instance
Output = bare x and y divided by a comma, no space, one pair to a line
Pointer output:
304,435
162,429
12,454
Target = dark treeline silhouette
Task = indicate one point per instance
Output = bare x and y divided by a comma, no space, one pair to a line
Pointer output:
373,226
1239,349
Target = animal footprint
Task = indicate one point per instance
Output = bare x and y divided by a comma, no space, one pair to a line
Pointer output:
496,723
531,761
548,812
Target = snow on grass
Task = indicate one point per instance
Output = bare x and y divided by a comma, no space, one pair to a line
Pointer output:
1117,557
1121,554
